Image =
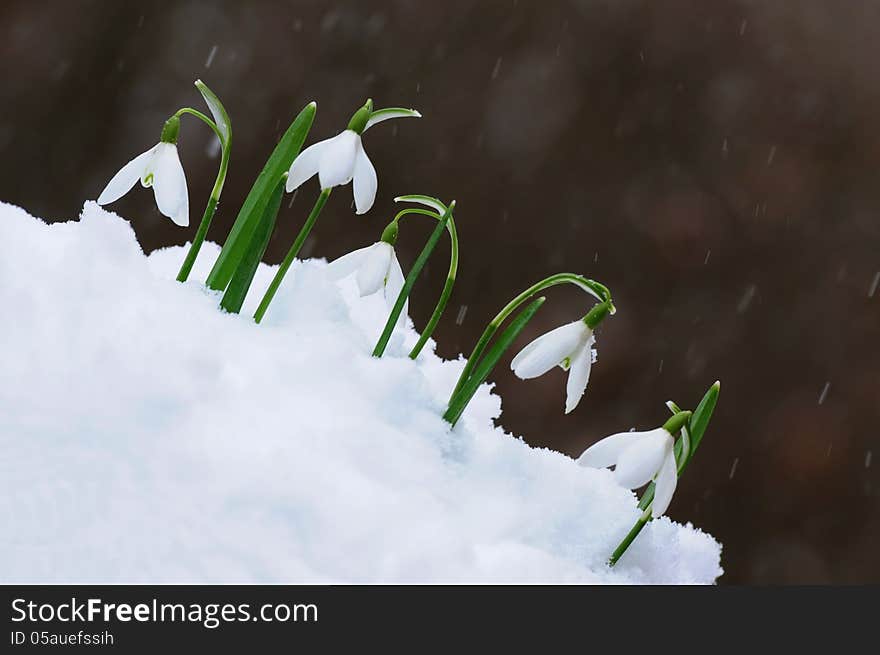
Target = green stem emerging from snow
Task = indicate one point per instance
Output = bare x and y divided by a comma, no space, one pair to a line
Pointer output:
291,254
460,400
411,277
450,276
222,128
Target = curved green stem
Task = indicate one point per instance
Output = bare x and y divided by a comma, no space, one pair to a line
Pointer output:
450,276
410,280
202,117
291,254
592,287
213,200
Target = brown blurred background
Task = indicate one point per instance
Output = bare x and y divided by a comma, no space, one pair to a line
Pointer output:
716,163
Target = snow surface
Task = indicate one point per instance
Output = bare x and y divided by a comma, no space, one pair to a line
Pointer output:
149,437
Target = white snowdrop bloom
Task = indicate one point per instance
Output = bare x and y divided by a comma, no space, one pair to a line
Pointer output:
160,168
342,158
376,269
568,346
638,458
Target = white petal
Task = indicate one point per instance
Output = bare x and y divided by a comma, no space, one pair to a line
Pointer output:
365,182
605,452
665,484
169,184
638,464
125,179
336,164
347,264
305,165
393,285
578,375
373,271
549,350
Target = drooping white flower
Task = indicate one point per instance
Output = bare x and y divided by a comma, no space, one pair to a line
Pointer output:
568,346
342,158
638,458
376,269
160,168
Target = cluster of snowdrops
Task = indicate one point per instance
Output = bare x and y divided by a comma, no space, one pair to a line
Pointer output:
655,457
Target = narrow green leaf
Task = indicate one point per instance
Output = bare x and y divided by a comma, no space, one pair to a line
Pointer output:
428,201
702,414
391,112
243,229
461,399
241,281
218,111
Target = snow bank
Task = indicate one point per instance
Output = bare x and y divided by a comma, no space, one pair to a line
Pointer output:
148,437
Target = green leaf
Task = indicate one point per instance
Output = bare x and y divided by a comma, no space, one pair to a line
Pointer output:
392,112
461,399
428,201
218,111
241,281
701,417
254,205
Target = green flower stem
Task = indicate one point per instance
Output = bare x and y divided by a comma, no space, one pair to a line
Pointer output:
213,200
592,287
204,118
411,277
460,401
691,432
450,277
291,254
630,537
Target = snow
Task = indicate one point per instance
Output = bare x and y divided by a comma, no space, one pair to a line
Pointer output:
149,437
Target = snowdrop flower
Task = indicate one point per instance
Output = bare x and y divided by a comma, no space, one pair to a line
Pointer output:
342,159
160,168
376,269
568,346
639,457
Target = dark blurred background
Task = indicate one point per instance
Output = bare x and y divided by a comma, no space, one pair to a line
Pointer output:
716,163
